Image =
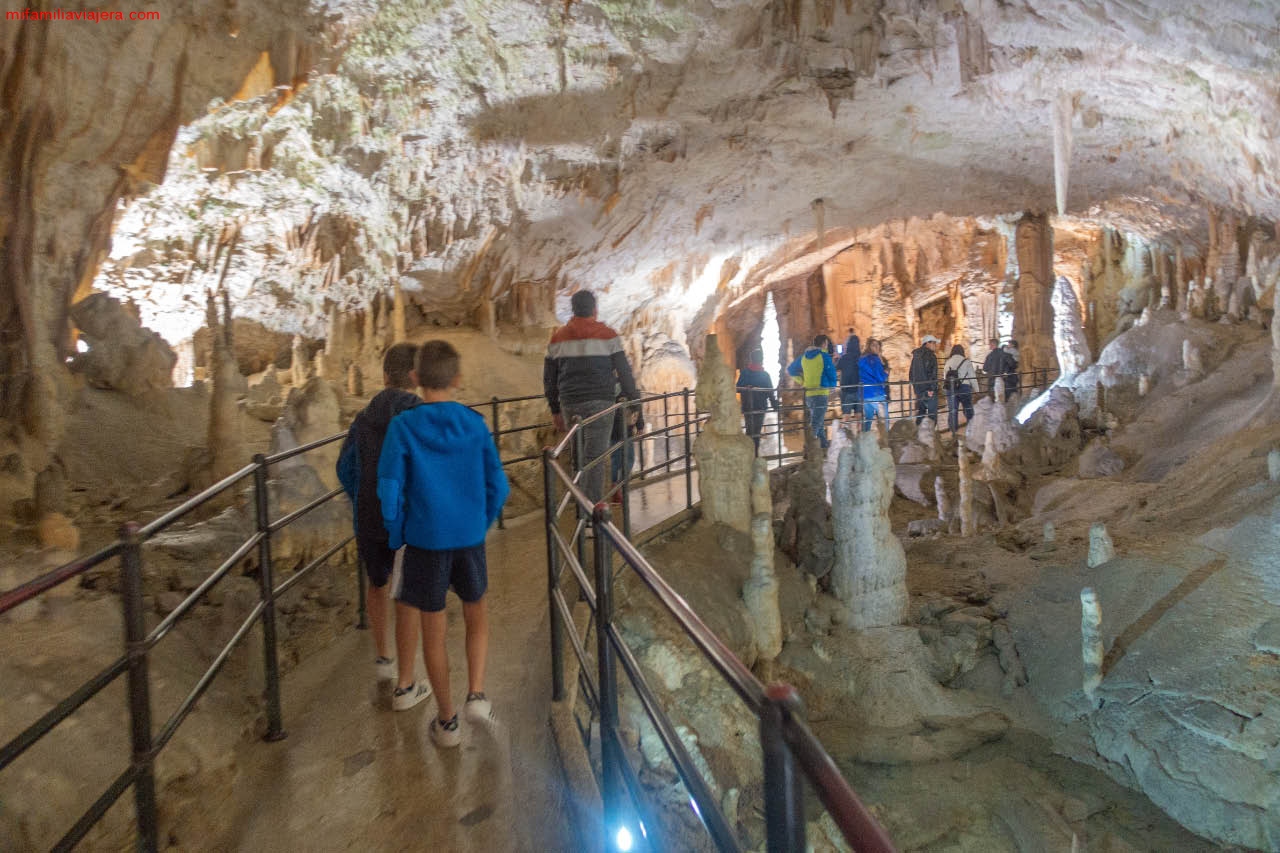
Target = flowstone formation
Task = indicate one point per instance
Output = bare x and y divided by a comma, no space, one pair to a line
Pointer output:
870,575
724,454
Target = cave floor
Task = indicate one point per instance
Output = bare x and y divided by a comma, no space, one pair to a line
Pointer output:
352,774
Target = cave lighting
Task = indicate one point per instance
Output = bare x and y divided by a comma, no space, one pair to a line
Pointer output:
624,839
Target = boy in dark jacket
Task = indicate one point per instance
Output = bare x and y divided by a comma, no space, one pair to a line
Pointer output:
441,485
755,393
358,473
847,366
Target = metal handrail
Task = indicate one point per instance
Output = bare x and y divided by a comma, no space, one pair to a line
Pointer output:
786,740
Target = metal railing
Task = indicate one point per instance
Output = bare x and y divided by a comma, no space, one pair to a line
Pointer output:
146,742
789,748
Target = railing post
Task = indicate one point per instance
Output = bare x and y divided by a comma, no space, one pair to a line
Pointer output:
688,455
553,578
666,430
362,622
627,443
266,587
783,794
579,455
607,681
135,636
497,443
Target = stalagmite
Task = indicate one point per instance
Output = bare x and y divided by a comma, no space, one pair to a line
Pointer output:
1050,534
724,453
223,439
943,499
1196,299
1191,358
927,436
997,389
300,367
1068,333
1273,465
761,590
1091,648
1179,280
399,331
870,574
355,381
967,525
1270,408
1144,384
1101,549
1063,111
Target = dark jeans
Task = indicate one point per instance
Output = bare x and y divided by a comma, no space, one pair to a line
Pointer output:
595,441
849,399
960,398
755,423
926,406
817,408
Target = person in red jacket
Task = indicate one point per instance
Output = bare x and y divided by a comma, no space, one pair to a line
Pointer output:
584,364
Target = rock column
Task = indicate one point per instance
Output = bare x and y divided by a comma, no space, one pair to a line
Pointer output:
1068,333
724,454
761,590
224,435
1033,307
870,575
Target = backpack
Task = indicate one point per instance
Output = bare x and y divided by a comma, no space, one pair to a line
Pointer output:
953,376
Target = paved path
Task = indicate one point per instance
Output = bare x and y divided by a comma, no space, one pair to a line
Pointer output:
353,775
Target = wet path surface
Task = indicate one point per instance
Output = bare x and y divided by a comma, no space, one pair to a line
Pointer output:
354,775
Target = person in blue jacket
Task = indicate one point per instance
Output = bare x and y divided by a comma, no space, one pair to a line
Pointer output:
358,473
875,393
817,373
755,395
441,485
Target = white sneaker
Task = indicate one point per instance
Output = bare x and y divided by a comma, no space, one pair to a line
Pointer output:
445,735
386,668
478,708
405,698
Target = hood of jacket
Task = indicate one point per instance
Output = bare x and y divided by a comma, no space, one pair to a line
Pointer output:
813,352
447,427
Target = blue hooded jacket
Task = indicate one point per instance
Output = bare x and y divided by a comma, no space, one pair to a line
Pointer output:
817,376
871,371
440,481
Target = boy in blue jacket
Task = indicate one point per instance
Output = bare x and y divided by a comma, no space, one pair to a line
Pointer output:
817,373
441,485
358,473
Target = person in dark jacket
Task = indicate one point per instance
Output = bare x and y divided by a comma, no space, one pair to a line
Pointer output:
993,365
584,364
755,393
358,473
1012,380
847,367
924,379
874,374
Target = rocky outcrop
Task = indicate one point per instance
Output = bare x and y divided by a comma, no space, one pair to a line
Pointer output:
121,354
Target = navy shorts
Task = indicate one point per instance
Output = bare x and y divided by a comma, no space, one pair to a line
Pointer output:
378,560
426,576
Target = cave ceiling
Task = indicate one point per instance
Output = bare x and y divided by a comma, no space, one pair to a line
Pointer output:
663,151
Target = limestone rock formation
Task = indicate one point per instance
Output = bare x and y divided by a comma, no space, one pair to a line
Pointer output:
870,575
1099,460
724,454
807,536
1068,333
122,354
761,590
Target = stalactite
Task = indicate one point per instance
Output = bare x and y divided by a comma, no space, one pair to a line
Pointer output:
1063,110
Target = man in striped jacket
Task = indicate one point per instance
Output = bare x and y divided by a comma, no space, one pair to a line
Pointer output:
585,365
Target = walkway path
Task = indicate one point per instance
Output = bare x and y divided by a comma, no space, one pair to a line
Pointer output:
353,775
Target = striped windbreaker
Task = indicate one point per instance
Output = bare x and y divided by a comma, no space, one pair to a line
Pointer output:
583,359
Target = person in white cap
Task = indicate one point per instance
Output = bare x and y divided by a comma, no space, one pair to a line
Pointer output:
924,379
